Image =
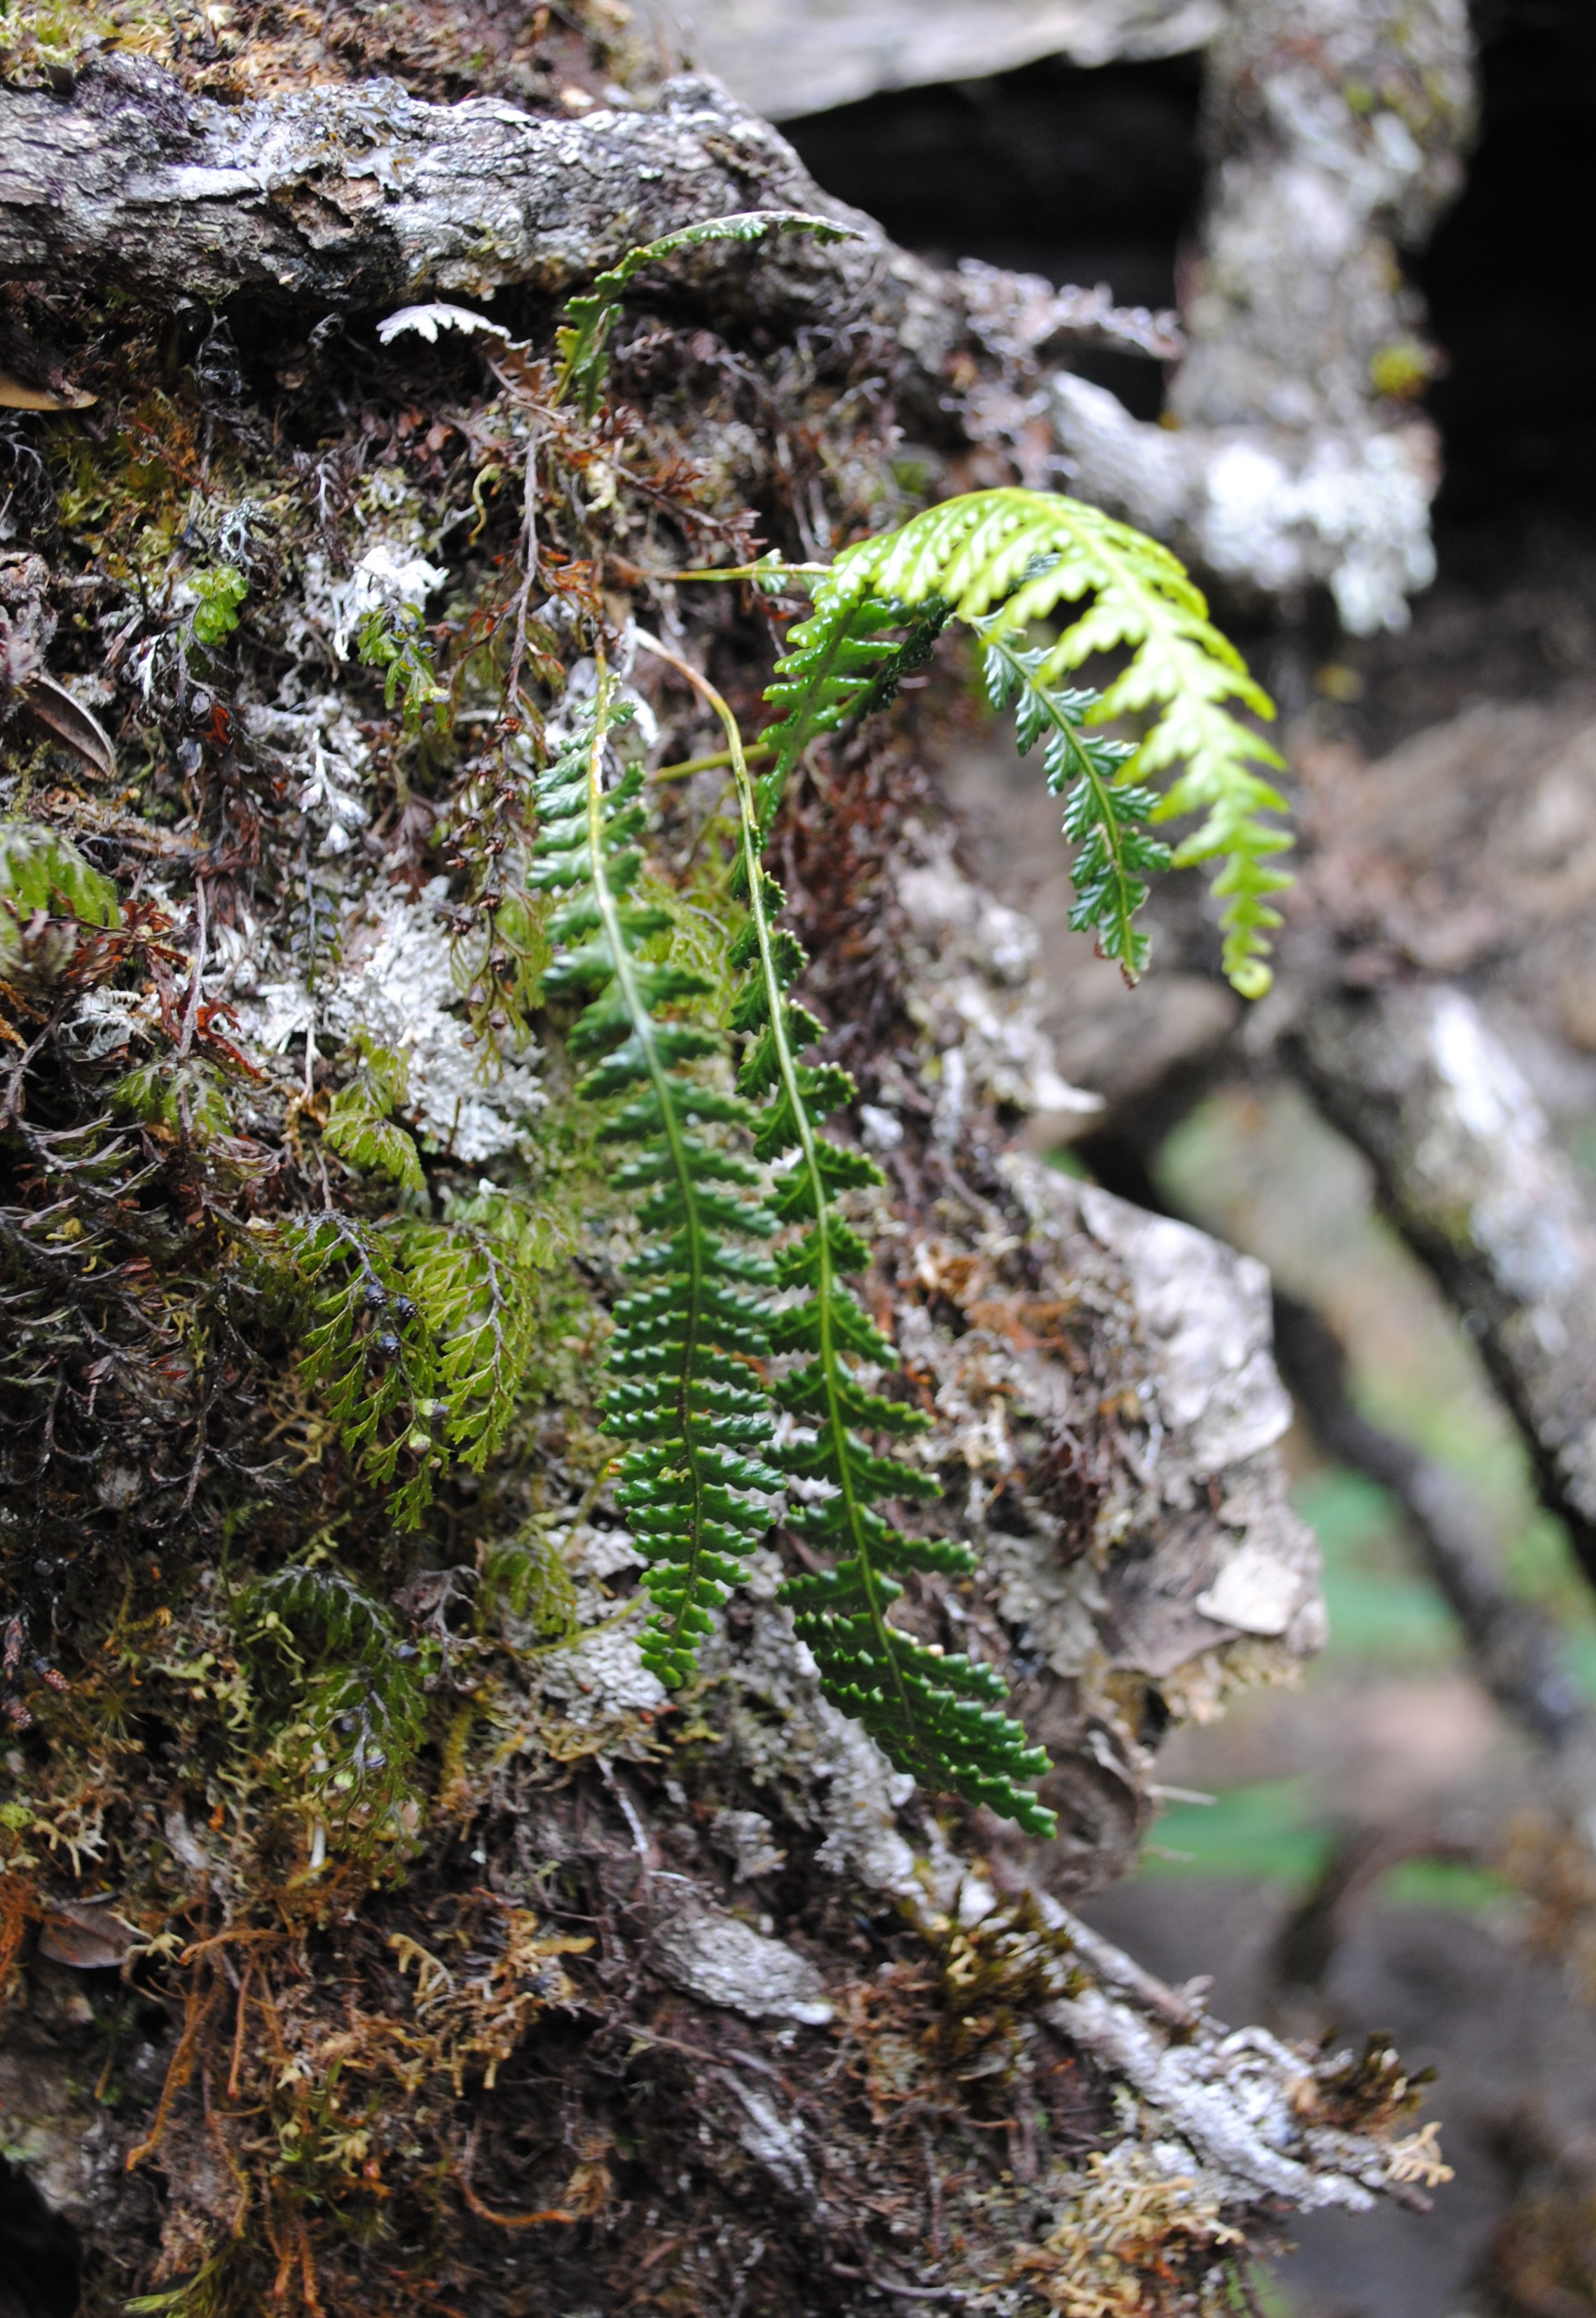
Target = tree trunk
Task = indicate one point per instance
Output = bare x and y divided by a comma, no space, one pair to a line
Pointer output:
383,1936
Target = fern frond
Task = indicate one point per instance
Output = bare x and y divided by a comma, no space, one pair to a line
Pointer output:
360,1122
393,639
369,1351
841,665
1001,559
938,1717
582,339
1106,816
474,1281
683,1394
327,1651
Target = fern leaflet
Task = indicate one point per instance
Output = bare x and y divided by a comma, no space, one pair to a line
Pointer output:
685,1397
474,1281
420,1334
1104,818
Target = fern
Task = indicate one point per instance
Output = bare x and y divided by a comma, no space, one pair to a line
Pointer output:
582,340
1105,818
369,1351
474,1280
186,1096
43,875
1001,559
838,670
393,639
326,1653
360,1124
420,1335
936,1715
684,1395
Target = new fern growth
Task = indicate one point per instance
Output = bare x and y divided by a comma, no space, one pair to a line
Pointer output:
684,1395
1002,561
582,340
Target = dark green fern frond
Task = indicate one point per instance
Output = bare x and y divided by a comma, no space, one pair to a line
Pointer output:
840,665
343,1683
1004,559
1106,815
582,338
938,1716
685,1397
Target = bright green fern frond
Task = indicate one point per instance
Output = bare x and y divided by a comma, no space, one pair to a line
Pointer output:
582,337
474,1281
684,1397
1001,559
359,1123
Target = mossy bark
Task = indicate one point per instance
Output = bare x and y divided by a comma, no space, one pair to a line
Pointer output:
380,1937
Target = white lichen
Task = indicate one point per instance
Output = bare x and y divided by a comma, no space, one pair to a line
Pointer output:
398,985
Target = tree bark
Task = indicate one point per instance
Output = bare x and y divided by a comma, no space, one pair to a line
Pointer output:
1478,1183
691,1986
359,197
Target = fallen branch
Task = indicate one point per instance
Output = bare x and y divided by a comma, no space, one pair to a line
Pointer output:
1474,1180
351,196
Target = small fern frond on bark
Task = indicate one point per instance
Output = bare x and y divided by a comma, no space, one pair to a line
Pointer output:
582,340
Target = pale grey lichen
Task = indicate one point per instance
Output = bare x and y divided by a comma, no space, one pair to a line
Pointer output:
397,983
719,1960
